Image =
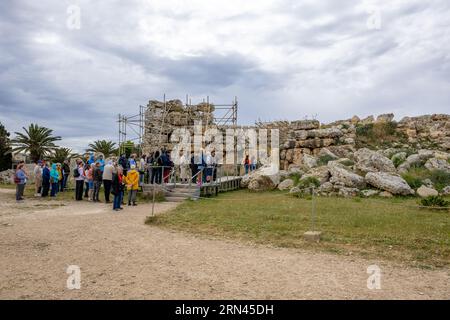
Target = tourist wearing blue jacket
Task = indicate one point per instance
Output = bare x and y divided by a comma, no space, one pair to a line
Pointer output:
54,179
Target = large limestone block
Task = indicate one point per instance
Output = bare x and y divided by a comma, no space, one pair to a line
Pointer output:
371,161
389,182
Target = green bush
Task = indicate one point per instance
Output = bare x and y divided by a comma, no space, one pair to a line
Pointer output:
434,201
347,163
295,177
374,135
397,161
415,176
323,160
440,179
308,183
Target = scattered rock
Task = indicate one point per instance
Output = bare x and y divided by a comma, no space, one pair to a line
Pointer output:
437,164
346,177
385,194
389,182
446,191
321,173
424,192
286,184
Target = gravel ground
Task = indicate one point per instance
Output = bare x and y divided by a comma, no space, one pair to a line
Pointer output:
122,258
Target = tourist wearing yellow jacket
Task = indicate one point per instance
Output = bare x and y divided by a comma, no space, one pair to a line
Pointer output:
132,182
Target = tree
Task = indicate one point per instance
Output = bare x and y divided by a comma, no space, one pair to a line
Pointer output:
108,148
5,149
37,141
62,154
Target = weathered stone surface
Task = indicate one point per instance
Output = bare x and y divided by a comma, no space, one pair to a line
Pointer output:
385,194
389,182
309,161
320,173
286,184
6,177
387,117
261,183
437,164
340,174
325,133
371,161
446,191
326,152
305,124
326,187
424,191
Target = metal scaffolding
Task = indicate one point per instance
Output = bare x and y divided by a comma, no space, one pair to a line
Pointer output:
133,128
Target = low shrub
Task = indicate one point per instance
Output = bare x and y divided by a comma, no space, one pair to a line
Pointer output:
397,161
323,160
434,201
440,179
308,183
378,134
347,163
415,176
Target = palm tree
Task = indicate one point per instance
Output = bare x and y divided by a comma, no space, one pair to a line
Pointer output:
37,141
108,148
62,154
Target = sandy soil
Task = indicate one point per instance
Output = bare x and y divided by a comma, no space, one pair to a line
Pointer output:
121,258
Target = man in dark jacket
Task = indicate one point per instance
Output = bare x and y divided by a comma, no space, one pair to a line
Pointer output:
45,180
66,173
98,178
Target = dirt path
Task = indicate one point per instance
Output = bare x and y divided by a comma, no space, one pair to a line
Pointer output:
120,257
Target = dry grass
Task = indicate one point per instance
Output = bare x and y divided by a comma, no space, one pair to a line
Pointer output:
393,229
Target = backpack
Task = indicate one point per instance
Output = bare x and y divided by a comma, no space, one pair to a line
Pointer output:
76,173
16,178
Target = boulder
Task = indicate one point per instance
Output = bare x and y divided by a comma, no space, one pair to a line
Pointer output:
286,184
371,161
425,191
309,161
326,188
326,152
261,183
387,117
446,191
321,173
349,179
6,177
295,169
259,180
389,182
385,194
437,164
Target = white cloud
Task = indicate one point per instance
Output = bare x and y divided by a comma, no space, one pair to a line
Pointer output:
283,59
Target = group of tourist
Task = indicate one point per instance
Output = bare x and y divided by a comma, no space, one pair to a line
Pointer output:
116,176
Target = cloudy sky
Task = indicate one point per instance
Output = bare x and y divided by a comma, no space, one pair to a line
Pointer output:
283,59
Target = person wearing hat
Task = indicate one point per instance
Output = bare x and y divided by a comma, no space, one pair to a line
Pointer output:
132,182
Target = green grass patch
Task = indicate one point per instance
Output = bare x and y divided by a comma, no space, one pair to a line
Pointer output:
393,229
